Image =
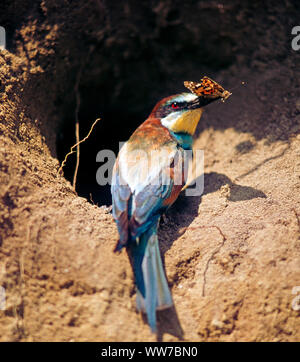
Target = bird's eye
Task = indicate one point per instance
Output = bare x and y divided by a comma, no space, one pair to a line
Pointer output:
175,105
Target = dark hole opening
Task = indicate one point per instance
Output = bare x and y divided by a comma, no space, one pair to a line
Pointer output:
110,130
122,92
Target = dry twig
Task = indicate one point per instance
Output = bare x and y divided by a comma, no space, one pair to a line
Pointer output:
76,144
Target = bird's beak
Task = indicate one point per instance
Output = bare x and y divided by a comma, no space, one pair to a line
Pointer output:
202,101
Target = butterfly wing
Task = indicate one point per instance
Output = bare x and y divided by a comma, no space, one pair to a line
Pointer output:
207,88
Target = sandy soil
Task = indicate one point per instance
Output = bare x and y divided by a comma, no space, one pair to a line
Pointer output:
232,255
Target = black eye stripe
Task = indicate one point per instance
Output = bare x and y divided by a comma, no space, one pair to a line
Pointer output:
178,105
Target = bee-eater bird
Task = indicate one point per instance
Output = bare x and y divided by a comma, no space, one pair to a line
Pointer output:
142,191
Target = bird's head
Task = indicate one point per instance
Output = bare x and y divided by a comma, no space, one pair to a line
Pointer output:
181,113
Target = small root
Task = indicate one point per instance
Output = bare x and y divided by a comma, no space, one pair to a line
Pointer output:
72,149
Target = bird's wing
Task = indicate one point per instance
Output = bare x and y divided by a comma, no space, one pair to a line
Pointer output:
121,195
140,189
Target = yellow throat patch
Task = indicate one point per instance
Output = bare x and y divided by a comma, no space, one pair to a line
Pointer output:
188,122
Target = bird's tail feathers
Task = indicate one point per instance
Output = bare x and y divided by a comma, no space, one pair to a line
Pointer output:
157,295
